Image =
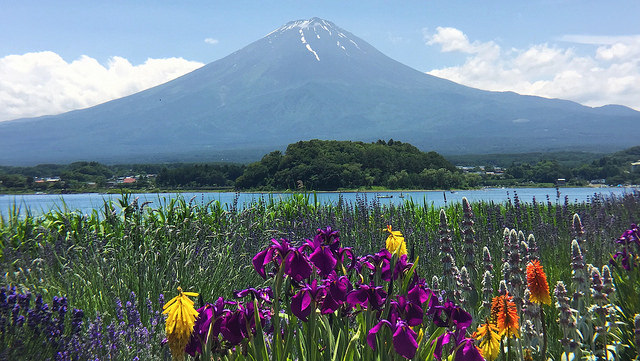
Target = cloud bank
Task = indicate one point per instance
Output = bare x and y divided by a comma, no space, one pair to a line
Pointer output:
43,83
610,74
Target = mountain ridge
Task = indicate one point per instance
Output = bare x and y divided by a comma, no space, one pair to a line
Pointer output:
310,79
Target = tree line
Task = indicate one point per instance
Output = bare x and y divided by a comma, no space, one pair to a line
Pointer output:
324,165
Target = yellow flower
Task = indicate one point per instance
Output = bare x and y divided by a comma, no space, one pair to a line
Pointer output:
488,341
395,242
180,322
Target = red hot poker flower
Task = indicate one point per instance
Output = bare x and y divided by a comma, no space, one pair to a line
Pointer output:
537,283
506,316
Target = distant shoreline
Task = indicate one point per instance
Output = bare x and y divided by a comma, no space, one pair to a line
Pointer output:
178,191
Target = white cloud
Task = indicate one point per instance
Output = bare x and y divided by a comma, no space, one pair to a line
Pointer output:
211,41
610,74
43,83
450,39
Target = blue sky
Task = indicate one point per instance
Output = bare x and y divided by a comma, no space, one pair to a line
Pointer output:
61,55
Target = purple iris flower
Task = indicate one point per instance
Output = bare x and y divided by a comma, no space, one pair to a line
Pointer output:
347,252
328,235
449,314
277,251
406,310
304,302
236,325
336,295
264,294
203,327
382,261
368,296
296,265
623,257
295,262
466,350
420,294
404,338
322,256
630,236
402,266
363,263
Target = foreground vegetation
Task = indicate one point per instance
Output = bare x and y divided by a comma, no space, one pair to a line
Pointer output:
332,165
93,286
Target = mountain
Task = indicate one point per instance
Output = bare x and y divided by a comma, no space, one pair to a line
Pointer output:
310,79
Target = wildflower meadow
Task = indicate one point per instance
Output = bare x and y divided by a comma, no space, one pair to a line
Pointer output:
300,280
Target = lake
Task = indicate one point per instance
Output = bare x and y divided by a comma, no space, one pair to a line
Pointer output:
86,202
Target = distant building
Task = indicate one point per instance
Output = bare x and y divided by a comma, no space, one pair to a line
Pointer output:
129,180
635,166
561,181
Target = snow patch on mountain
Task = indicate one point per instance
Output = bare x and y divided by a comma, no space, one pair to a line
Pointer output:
308,46
315,42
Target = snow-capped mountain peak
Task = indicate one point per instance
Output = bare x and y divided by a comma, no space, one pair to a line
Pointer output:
316,34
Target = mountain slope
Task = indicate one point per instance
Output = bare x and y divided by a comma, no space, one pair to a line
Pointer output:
310,79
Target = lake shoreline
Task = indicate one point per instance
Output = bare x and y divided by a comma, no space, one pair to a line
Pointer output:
87,203
178,191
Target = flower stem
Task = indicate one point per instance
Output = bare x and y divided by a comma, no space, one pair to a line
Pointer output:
544,334
277,342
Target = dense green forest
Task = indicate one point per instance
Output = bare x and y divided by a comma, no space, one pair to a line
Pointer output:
332,165
569,159
196,176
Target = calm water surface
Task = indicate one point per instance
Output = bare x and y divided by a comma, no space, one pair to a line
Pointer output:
86,202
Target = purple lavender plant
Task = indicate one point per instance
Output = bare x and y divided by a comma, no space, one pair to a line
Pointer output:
566,319
578,278
534,252
449,269
468,235
600,311
487,291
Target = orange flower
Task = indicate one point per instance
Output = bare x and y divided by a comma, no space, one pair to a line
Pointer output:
506,316
537,283
495,309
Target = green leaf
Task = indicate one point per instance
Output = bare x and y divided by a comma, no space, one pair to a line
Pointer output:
337,348
351,347
408,276
258,342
